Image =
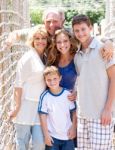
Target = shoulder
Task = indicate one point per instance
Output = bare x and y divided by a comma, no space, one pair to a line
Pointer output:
26,57
97,43
44,94
66,91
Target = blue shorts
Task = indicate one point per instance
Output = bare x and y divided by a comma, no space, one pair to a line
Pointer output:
61,145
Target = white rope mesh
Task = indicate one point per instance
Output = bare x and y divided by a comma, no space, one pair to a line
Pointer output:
11,18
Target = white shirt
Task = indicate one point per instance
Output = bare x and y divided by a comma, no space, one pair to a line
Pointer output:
57,108
92,81
29,77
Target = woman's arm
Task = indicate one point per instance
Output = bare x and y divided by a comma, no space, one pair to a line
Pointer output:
17,98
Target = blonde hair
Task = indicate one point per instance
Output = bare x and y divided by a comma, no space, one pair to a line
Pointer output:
39,29
54,54
51,70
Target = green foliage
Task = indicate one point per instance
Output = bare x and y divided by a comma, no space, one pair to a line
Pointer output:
95,16
36,16
69,15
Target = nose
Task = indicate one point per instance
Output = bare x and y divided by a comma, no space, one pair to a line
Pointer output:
62,44
52,82
51,24
80,33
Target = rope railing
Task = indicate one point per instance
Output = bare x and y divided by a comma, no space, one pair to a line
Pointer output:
11,18
7,75
11,12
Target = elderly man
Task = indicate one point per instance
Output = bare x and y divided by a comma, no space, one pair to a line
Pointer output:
53,19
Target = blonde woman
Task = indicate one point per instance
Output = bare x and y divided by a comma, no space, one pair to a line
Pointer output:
29,84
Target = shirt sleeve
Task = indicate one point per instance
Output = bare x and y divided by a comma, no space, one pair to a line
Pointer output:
72,105
22,72
42,106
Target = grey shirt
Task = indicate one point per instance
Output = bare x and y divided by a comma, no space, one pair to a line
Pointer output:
92,81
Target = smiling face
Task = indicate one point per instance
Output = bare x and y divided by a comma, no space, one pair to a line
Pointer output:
63,43
40,42
52,22
82,32
53,80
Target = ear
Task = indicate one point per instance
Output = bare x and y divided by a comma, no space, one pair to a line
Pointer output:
60,78
91,27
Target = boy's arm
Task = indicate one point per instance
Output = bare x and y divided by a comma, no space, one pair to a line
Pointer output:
17,98
48,138
107,112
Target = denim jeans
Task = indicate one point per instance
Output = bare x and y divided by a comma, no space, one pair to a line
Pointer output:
61,145
23,135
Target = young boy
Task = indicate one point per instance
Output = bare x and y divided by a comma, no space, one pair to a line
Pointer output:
54,108
96,90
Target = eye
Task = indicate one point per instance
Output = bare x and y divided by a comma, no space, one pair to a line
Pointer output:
48,22
76,31
44,38
65,41
55,79
83,29
58,42
48,80
37,38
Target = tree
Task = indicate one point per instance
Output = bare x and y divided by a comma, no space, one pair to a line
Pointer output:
36,16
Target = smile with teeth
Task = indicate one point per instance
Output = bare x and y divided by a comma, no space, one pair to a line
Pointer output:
63,48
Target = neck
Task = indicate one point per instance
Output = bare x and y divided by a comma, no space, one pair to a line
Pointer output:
86,43
65,60
65,56
40,53
57,90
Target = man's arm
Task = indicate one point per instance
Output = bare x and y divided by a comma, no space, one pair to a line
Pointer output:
16,36
72,130
107,50
107,112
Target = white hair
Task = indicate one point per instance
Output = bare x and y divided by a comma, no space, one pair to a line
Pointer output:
55,11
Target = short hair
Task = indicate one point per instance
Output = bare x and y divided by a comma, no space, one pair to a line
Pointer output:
37,29
51,70
78,19
55,11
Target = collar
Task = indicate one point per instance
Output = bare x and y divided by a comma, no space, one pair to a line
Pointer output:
92,46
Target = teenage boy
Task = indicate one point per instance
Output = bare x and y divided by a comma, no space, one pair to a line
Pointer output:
55,108
96,90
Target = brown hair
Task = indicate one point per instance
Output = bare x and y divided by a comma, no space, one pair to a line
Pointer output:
54,54
51,70
81,19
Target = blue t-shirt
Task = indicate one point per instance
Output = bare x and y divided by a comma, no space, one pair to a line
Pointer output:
69,75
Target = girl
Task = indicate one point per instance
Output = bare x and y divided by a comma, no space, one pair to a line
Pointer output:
61,54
